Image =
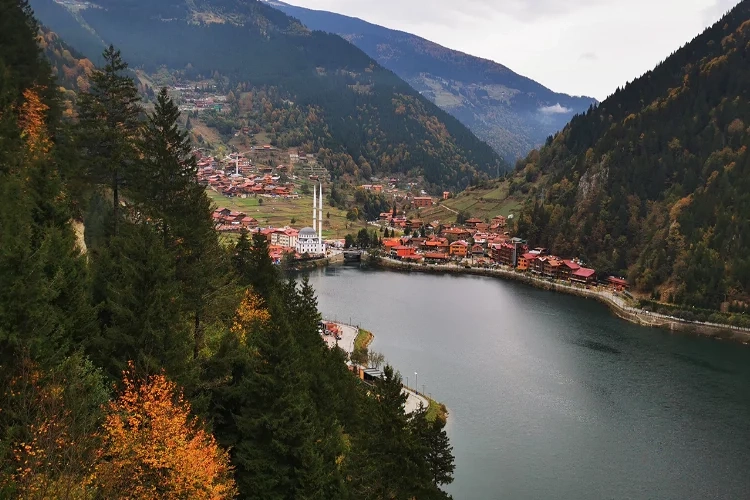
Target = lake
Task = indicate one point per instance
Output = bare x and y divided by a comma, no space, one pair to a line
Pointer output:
551,396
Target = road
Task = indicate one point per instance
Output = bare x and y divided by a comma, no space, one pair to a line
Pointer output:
348,334
413,401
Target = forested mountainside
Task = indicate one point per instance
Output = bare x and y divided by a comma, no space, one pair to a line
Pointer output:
365,110
140,357
69,68
655,181
514,114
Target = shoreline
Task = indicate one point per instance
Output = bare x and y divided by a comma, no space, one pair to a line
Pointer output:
364,338
615,303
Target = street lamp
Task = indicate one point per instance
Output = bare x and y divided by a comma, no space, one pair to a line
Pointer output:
416,383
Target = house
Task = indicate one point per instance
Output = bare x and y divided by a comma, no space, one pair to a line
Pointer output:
551,267
477,249
436,256
403,251
499,220
422,201
437,245
583,275
459,249
473,222
503,253
618,284
537,266
566,269
389,243
414,224
525,261
249,222
446,195
456,233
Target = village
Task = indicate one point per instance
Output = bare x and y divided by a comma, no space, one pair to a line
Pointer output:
484,244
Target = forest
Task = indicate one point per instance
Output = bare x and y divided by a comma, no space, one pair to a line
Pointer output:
654,183
140,357
365,111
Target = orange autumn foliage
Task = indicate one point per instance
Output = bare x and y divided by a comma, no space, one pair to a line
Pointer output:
154,449
250,313
32,119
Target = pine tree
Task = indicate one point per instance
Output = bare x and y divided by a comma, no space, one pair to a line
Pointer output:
387,463
266,417
241,257
166,178
109,124
169,193
140,306
435,450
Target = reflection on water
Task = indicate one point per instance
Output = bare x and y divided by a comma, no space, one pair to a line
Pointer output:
550,396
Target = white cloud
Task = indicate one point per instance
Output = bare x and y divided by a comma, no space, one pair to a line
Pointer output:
549,40
555,109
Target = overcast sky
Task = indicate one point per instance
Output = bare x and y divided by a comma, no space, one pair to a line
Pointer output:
580,47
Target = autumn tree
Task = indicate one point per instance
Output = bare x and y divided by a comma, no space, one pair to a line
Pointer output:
56,413
154,449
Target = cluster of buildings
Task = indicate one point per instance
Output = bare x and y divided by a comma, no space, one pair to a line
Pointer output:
192,99
236,175
487,243
305,242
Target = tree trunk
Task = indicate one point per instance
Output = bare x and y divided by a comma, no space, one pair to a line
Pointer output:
115,200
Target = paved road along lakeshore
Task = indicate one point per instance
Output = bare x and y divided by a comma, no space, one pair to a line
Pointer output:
348,335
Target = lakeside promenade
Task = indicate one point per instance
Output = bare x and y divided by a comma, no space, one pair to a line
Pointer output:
617,303
346,343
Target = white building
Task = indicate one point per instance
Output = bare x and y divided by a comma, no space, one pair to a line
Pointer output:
310,239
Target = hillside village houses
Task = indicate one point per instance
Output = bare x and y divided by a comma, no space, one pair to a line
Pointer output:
487,244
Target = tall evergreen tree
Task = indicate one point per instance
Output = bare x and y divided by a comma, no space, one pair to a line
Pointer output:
109,123
140,306
165,183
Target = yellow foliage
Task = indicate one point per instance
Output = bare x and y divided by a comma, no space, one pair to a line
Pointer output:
153,449
679,206
713,63
250,314
33,115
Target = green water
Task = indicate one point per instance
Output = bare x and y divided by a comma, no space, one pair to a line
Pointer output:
552,397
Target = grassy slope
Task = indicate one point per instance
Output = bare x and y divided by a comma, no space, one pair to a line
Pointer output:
481,202
279,212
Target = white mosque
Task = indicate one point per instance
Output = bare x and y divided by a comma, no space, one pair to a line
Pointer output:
310,239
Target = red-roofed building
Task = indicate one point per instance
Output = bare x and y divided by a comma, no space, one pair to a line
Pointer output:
473,222
436,256
583,275
566,269
459,248
552,267
456,233
618,284
401,251
525,261
422,201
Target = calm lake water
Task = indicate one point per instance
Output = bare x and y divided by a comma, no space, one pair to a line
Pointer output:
552,397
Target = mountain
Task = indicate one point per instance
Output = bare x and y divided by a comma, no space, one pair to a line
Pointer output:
654,182
355,107
512,113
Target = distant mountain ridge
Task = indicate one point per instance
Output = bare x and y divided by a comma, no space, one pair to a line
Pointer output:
350,105
511,112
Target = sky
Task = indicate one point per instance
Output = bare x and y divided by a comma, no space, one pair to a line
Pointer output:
579,47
